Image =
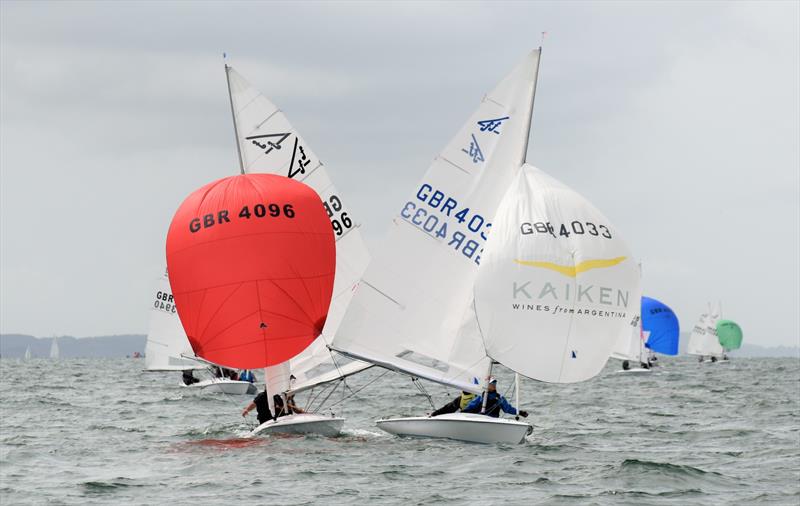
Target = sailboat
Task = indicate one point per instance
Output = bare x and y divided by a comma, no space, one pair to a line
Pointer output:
267,143
703,341
662,327
445,299
630,348
730,336
28,353
168,349
55,353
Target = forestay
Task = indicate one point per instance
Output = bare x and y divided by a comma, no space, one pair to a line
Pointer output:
557,285
268,143
413,311
167,345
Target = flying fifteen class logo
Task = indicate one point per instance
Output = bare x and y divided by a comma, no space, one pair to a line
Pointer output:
574,270
492,125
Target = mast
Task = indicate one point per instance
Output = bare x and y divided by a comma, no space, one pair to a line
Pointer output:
524,157
233,116
486,387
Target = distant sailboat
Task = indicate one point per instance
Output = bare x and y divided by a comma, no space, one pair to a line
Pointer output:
28,353
729,334
662,327
55,353
703,342
630,349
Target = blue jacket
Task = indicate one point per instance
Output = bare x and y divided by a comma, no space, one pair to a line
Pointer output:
494,404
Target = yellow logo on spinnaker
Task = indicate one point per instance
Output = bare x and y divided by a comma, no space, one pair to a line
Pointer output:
574,270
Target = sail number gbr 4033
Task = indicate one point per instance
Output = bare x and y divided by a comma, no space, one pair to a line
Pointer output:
440,216
576,227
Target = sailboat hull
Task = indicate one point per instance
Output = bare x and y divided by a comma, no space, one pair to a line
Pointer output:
302,423
468,427
634,370
223,385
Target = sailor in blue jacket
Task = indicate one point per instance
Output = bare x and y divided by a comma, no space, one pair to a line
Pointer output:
494,403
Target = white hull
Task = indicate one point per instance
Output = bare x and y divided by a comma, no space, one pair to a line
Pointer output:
223,385
459,426
634,370
303,423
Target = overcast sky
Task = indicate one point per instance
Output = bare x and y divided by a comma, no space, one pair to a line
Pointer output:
680,121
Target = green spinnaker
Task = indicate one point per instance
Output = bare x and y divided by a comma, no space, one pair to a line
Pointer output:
729,334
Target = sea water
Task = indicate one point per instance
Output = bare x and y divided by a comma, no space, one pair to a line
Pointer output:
105,432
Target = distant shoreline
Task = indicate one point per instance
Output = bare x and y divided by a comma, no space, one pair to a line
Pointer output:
125,345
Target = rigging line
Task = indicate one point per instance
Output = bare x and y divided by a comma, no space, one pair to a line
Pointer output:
422,390
360,389
338,370
328,397
319,394
497,406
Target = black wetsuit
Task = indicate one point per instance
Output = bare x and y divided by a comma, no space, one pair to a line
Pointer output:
188,378
262,406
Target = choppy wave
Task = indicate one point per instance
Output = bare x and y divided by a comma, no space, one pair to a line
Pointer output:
689,435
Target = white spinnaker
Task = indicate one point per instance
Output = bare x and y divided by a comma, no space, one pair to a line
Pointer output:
167,344
557,285
270,144
413,311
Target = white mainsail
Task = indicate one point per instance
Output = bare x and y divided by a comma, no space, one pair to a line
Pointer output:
270,144
630,345
413,311
703,341
167,347
557,285
55,353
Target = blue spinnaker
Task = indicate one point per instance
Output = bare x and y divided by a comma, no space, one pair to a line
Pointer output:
661,322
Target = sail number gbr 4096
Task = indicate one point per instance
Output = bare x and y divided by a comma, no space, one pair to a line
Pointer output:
247,212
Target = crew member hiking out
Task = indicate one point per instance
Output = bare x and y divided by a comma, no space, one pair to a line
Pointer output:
261,405
458,403
494,403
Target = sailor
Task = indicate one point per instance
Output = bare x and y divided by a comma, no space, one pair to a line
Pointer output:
494,403
459,403
261,404
247,375
625,365
188,377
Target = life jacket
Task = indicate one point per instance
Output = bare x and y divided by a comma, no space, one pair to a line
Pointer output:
493,405
466,398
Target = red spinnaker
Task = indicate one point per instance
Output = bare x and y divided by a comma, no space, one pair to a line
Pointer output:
251,262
